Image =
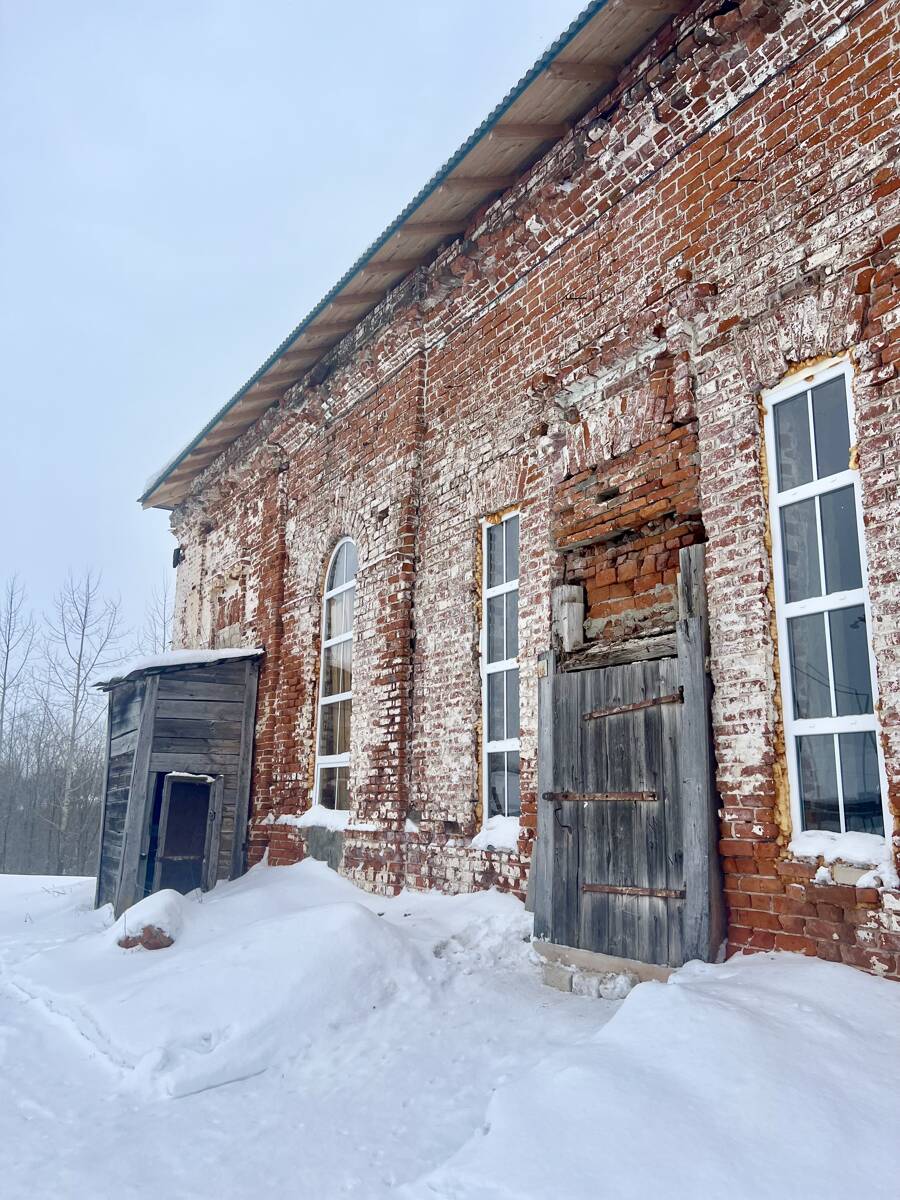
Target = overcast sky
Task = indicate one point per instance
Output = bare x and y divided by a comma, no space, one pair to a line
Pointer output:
181,183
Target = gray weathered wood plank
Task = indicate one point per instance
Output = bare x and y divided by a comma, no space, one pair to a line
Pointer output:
213,835
538,895
245,768
698,793
177,688
138,805
200,710
103,804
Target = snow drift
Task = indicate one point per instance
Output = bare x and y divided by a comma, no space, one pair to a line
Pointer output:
770,1076
256,976
379,1047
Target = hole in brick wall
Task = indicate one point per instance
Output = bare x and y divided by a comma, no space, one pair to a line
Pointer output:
452,827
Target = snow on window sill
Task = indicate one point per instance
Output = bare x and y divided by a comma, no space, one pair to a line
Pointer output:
499,833
318,816
852,849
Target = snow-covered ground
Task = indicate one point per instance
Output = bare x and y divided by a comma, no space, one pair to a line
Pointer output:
304,1039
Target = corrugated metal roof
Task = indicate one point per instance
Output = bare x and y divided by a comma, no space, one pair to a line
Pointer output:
577,83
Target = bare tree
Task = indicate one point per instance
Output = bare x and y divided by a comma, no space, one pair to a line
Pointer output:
156,633
16,643
83,638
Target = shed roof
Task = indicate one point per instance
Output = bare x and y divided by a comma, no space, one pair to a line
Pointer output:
174,660
568,79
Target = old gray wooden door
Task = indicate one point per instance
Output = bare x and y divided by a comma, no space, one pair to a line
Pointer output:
612,809
625,861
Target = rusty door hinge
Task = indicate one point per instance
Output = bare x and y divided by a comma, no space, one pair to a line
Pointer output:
610,889
597,714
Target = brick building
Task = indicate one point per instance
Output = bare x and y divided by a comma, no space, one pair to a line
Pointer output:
653,302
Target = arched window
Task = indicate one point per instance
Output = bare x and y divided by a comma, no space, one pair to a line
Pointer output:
336,683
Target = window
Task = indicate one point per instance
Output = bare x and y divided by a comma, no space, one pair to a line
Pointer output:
500,666
336,683
828,672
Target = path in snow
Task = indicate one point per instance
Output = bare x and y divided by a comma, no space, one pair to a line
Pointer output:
303,1039
367,1107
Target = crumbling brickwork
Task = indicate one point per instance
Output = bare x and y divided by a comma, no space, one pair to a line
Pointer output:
621,526
591,352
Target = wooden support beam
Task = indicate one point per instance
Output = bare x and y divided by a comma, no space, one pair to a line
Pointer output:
672,7
290,356
539,131
644,649
354,299
330,327
393,266
478,183
431,228
289,371
583,72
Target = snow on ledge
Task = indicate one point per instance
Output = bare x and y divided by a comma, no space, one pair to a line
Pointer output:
318,816
176,658
330,818
855,849
499,833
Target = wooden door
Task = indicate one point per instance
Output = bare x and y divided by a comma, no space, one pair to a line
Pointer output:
626,859
612,808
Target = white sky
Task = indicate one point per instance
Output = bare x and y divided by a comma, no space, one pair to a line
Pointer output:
181,183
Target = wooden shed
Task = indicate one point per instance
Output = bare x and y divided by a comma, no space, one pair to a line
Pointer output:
177,781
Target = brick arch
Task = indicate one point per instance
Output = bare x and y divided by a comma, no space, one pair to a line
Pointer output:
809,325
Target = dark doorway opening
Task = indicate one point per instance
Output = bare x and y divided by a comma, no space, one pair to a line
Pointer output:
181,844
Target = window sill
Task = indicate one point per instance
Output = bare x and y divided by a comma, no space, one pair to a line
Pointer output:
499,833
856,859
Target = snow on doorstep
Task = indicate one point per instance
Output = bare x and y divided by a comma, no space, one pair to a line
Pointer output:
855,849
175,658
499,833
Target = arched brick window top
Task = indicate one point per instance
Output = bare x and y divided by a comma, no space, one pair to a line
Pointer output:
336,679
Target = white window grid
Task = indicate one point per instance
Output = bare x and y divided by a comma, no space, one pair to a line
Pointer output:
795,727
323,761
505,664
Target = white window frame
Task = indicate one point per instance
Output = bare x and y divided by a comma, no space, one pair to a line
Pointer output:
797,727
505,664
332,760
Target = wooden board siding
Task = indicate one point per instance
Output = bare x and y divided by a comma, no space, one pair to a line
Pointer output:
124,709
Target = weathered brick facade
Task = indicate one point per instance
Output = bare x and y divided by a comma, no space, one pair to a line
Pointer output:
592,352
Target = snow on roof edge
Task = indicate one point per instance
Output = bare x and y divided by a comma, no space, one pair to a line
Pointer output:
175,658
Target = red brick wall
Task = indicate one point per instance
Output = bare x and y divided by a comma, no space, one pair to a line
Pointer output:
729,212
620,527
